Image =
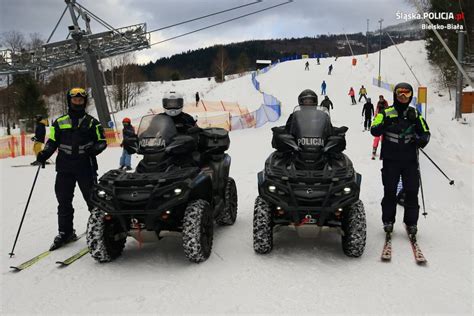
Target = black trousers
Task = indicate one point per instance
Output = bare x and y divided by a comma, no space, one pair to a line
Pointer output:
64,188
391,172
363,96
367,122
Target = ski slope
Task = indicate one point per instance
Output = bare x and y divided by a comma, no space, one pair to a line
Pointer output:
301,275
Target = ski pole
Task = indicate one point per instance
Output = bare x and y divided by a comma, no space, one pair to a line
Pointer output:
421,184
451,182
24,212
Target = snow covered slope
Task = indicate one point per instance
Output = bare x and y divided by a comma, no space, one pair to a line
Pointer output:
300,275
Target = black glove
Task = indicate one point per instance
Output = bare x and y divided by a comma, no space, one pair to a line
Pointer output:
95,149
422,141
42,157
34,139
411,115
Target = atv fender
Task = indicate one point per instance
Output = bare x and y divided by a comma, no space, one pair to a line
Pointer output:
201,188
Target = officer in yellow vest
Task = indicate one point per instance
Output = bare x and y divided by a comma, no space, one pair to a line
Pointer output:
79,138
404,130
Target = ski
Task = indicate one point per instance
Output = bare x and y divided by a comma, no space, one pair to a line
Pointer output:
37,258
73,258
30,262
387,248
419,257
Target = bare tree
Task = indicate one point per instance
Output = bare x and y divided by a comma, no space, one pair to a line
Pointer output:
127,81
221,63
36,41
13,40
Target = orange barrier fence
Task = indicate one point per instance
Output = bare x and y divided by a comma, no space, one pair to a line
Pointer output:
22,145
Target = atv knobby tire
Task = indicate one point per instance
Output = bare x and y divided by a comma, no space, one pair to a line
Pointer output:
262,227
104,237
355,230
229,213
198,229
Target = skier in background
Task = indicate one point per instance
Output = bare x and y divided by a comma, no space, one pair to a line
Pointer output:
330,69
327,103
381,105
363,93
323,88
306,66
197,98
368,114
352,95
128,131
40,135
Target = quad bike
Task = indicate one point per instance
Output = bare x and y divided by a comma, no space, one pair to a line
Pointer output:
182,185
308,181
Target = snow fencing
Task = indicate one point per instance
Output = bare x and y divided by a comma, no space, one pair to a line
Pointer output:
21,144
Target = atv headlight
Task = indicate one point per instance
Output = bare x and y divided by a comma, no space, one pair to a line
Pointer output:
347,190
272,188
101,194
177,191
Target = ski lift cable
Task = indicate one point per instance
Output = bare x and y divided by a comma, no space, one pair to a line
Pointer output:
404,59
223,22
204,16
57,24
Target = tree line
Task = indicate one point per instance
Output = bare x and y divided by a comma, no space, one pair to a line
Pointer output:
30,94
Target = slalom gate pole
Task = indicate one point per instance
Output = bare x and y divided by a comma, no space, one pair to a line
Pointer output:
24,212
451,182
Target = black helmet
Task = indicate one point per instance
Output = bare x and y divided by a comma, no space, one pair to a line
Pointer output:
308,97
77,92
38,118
404,88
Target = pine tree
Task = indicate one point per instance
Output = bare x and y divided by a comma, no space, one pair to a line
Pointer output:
28,101
436,52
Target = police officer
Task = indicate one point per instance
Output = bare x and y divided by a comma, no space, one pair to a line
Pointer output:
404,131
173,103
79,138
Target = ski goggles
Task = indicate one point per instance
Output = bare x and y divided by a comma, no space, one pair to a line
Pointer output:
77,92
404,91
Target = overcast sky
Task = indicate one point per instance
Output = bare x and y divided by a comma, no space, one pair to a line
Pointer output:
297,19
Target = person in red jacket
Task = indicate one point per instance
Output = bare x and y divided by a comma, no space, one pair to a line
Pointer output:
352,95
381,105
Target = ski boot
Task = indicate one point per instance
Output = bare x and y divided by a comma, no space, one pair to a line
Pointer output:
374,153
412,230
388,227
62,239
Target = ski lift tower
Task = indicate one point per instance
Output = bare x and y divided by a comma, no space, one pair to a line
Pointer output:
83,47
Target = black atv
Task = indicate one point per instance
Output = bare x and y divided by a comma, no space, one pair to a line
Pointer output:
309,181
181,185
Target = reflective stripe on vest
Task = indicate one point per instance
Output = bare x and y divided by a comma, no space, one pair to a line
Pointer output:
399,139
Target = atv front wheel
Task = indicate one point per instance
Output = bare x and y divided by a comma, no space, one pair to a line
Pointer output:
105,238
355,230
229,213
262,227
198,230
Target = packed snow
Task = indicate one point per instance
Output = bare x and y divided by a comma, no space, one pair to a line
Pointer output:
301,275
